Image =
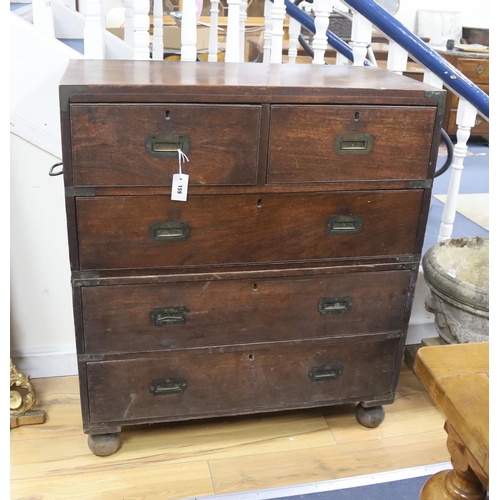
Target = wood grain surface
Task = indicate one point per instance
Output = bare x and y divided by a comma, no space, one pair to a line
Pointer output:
118,318
52,461
109,144
457,378
114,231
399,149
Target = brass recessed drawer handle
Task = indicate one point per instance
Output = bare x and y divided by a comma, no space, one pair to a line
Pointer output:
344,224
353,144
169,231
166,386
480,69
169,315
335,305
325,372
166,146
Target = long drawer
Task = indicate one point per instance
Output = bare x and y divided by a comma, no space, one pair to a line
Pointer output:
120,232
133,318
136,144
203,382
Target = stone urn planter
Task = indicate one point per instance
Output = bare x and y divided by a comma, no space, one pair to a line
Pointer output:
457,272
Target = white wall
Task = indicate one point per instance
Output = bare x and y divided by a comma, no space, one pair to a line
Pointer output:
40,308
37,63
475,14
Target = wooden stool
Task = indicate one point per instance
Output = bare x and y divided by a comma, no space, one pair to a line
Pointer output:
457,378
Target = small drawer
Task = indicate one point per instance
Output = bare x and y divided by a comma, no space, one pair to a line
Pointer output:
477,70
201,382
125,232
217,312
136,144
344,143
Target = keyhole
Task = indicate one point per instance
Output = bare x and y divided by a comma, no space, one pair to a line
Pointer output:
255,287
251,357
356,116
167,115
259,203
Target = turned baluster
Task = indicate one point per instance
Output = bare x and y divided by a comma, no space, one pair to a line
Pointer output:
128,23
459,483
141,29
268,27
431,79
278,14
293,32
397,58
466,117
188,31
213,43
93,43
243,21
158,30
361,37
322,10
233,31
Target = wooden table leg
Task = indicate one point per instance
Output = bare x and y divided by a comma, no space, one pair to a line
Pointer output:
460,483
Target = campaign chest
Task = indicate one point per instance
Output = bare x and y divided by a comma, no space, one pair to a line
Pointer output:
286,278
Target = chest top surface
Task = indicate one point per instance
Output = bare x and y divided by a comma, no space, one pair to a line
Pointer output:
149,81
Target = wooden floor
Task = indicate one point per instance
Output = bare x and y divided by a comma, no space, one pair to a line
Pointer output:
228,455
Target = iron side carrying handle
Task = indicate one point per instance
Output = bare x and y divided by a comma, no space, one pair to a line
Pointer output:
59,172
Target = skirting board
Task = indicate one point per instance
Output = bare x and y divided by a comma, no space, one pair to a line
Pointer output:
42,362
60,361
417,333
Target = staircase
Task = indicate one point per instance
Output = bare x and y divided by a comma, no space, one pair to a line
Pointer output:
46,35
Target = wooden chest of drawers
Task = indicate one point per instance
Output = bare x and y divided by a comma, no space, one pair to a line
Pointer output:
286,278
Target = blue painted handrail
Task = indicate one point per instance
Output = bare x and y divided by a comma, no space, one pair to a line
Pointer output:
418,50
423,54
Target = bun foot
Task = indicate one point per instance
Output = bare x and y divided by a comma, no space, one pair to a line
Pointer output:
453,485
103,445
369,417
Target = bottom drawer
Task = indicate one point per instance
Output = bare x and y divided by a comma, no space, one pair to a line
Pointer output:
245,379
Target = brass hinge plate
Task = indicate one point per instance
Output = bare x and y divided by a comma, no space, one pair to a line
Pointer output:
65,93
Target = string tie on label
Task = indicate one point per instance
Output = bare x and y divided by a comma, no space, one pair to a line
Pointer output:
182,158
